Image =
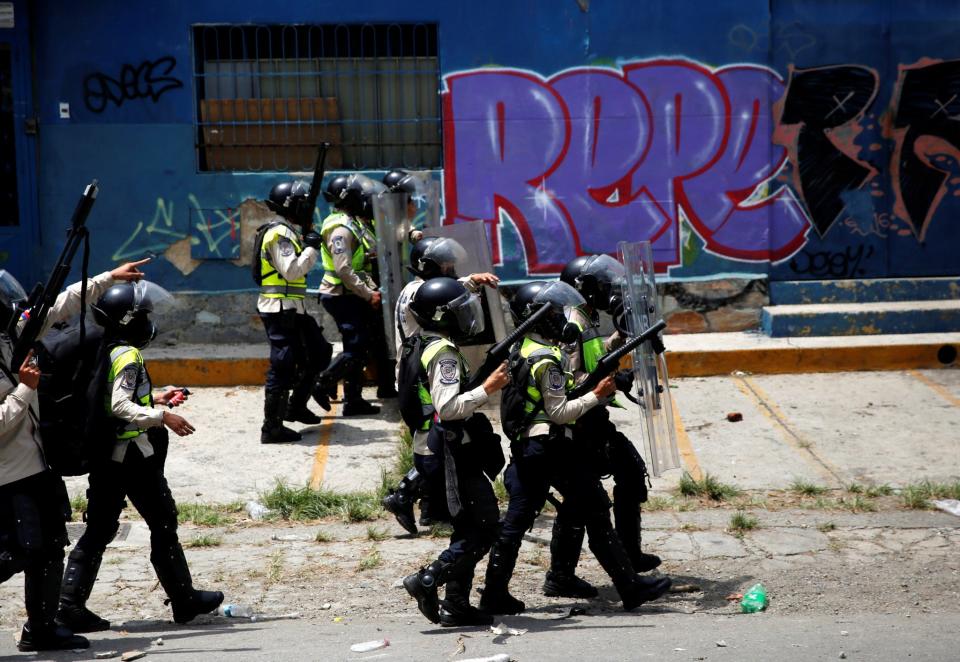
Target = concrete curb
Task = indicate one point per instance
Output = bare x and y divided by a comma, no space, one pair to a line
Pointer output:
694,355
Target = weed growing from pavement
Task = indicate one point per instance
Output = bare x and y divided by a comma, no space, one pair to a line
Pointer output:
322,536
825,527
402,464
857,504
807,489
375,533
708,486
204,541
500,490
918,495
440,530
203,514
655,503
370,561
78,505
870,490
740,522
303,503
275,571
688,527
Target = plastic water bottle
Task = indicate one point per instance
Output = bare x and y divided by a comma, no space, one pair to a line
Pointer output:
256,510
235,611
754,600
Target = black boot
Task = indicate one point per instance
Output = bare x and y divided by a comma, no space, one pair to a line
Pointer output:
186,602
41,590
565,546
634,590
455,608
400,501
78,580
496,598
353,402
273,430
327,381
297,409
626,514
422,586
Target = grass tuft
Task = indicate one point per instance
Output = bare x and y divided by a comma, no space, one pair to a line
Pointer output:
807,489
303,503
402,464
78,506
740,522
708,486
500,490
376,534
203,514
825,527
655,503
204,541
918,495
322,537
370,561
440,530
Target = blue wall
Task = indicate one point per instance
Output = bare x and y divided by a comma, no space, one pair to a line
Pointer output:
707,216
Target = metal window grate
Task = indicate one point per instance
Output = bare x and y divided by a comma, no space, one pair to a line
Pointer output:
268,94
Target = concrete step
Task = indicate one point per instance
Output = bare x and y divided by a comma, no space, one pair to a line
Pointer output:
794,292
850,319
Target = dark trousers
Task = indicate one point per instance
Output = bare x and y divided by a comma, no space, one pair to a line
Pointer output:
361,328
475,523
142,481
298,350
33,512
433,500
536,464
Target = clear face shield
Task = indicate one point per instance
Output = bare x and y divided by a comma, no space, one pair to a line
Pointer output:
468,312
565,298
447,254
148,298
12,297
609,276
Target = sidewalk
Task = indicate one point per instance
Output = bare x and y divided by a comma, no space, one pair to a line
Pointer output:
688,355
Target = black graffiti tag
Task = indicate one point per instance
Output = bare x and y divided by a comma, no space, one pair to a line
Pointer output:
822,100
835,265
149,80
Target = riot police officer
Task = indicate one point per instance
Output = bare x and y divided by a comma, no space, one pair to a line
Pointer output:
298,350
130,465
544,454
447,311
348,291
33,500
431,257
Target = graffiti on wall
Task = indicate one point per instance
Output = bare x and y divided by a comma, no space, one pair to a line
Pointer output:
148,80
591,156
579,161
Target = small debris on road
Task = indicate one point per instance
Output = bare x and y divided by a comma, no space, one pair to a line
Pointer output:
734,417
367,646
106,655
132,655
158,641
685,588
721,644
503,629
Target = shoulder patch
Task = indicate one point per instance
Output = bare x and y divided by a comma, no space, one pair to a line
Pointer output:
449,371
130,377
286,247
557,379
338,245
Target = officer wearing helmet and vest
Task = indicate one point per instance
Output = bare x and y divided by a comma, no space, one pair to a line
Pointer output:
431,257
348,292
131,466
447,311
544,453
598,278
33,499
298,350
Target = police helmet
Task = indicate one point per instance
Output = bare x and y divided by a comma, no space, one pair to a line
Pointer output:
353,194
445,305
286,198
522,301
598,278
124,311
397,180
416,253
12,296
443,257
567,305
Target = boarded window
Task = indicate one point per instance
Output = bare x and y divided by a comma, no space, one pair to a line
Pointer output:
267,95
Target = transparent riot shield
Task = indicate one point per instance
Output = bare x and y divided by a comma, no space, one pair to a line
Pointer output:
392,224
424,205
650,368
473,238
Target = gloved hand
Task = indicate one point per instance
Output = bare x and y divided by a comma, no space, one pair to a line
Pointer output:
624,381
313,240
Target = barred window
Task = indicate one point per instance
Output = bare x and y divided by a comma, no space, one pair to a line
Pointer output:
267,95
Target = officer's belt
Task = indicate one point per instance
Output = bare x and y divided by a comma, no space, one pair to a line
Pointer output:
281,289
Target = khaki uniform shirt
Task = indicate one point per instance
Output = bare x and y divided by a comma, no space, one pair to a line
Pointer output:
290,266
342,245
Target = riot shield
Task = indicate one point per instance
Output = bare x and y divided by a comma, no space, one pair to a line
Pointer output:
473,237
393,227
423,208
650,368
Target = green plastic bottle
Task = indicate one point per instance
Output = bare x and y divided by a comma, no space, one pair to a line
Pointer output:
754,600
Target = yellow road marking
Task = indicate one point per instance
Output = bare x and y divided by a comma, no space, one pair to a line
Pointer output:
323,449
683,444
939,389
772,412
